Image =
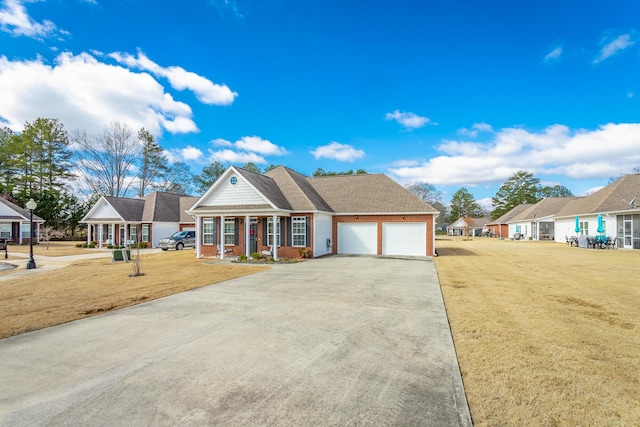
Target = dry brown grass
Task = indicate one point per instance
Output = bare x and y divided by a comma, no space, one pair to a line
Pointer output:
90,287
545,334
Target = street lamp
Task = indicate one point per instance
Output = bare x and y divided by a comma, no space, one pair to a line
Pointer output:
31,205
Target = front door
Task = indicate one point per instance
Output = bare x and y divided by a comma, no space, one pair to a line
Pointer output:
628,238
253,236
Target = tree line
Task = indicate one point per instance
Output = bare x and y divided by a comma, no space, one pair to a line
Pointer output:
521,187
54,167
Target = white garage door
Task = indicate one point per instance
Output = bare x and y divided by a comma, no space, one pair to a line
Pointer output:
404,238
360,238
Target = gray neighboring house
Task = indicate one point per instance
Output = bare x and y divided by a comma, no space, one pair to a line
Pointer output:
15,223
123,221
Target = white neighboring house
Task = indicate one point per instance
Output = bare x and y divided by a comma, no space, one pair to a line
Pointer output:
618,204
15,223
123,221
537,221
616,207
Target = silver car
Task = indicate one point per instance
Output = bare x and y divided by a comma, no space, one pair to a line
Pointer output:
179,240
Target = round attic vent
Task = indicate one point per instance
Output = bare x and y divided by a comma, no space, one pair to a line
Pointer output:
233,180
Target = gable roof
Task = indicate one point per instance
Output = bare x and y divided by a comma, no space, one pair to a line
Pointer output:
547,207
128,209
154,207
21,214
470,222
368,193
298,191
513,213
615,197
267,186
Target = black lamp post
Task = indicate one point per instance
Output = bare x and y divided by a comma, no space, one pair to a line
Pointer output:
31,205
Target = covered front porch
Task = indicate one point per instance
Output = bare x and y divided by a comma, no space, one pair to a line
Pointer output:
233,234
117,234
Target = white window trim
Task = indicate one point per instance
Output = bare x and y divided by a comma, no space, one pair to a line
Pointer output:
145,227
299,220
208,221
232,234
270,233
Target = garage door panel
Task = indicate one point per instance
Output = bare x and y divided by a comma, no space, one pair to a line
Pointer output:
404,238
358,238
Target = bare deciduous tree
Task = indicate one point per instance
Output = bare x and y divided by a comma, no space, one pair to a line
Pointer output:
106,161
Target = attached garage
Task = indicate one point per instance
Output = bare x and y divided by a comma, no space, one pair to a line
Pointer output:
358,238
404,238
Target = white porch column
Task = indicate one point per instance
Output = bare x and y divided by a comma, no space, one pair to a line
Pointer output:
19,233
88,234
247,237
221,237
126,236
198,236
275,237
113,234
100,235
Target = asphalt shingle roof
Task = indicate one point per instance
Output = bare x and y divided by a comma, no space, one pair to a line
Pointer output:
23,214
368,193
268,187
615,197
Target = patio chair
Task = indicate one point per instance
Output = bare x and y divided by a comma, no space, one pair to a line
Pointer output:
612,241
226,250
591,242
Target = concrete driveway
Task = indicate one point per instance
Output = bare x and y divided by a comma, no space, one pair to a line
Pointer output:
334,341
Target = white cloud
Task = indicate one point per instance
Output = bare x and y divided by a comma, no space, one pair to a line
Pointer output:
88,94
554,54
408,120
15,20
206,91
221,142
245,149
613,47
191,153
476,129
556,150
230,156
337,151
256,144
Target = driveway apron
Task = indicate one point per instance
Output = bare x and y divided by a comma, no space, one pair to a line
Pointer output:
339,340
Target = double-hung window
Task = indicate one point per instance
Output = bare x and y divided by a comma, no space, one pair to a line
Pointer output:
229,231
5,230
26,230
145,232
299,231
207,231
133,233
584,228
270,233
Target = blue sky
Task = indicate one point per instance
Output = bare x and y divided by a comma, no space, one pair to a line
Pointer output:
456,94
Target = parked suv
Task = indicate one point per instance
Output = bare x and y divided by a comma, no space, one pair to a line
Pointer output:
179,240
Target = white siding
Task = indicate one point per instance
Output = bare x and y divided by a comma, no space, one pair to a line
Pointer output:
322,233
104,210
161,230
358,238
7,211
404,238
240,194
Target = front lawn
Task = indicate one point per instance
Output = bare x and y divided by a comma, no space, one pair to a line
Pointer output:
545,334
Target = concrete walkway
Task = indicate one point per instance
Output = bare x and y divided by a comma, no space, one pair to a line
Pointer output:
47,263
333,341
